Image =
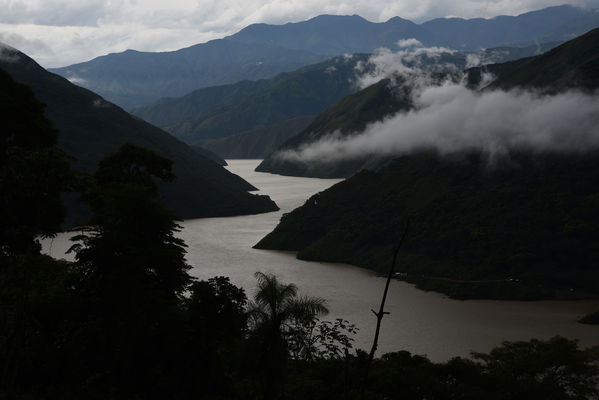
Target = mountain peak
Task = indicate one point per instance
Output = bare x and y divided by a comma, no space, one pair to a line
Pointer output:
395,20
331,18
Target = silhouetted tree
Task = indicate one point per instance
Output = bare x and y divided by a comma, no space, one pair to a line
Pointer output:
133,274
217,327
33,287
33,172
130,238
542,369
273,313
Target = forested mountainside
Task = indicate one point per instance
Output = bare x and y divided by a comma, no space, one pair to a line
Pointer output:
90,128
525,230
257,142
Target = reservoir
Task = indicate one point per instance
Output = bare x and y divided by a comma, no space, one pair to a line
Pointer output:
424,323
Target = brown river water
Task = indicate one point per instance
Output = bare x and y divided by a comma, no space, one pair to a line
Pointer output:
421,322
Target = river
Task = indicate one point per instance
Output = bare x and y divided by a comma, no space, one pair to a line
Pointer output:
421,322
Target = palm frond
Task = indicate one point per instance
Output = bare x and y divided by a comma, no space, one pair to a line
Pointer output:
306,308
271,292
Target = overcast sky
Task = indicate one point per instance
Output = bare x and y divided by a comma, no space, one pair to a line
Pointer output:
62,32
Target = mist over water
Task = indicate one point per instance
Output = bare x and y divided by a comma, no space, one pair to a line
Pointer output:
422,323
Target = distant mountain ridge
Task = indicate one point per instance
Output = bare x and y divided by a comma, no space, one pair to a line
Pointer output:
334,35
90,128
205,116
133,79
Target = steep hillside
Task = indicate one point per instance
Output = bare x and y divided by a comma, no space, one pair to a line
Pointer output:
90,127
258,142
574,64
135,78
170,111
526,229
223,111
348,116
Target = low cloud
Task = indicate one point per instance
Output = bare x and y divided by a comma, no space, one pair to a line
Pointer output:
77,81
413,62
8,53
451,118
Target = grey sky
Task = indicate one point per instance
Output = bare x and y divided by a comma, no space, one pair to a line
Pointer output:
62,32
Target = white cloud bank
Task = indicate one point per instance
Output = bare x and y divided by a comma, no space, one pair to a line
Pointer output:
452,118
449,117
61,32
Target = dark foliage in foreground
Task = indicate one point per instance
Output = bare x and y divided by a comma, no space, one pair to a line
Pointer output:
126,321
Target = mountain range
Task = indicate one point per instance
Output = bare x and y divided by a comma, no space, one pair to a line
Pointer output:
221,111
574,64
335,34
91,128
264,113
133,78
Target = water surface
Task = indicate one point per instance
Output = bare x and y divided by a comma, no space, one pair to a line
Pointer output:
420,322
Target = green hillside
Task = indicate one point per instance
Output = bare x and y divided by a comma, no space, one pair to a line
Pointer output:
527,229
574,64
257,142
349,116
223,111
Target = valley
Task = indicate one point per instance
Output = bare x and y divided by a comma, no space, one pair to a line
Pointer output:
210,200
420,322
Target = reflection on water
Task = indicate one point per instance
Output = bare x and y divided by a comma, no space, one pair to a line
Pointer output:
423,323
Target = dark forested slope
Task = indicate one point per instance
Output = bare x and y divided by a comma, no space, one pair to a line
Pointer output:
90,127
348,116
258,142
526,229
